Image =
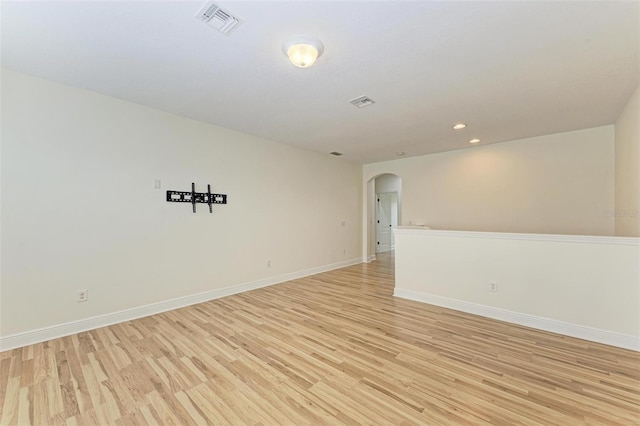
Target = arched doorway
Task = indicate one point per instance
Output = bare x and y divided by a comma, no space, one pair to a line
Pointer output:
383,213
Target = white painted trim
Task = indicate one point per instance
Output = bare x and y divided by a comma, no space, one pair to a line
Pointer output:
371,258
627,241
74,327
568,329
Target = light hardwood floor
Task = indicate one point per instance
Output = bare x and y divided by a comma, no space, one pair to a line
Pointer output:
334,348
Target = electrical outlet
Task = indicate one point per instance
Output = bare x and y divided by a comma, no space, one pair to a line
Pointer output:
344,251
81,295
493,286
157,184
268,264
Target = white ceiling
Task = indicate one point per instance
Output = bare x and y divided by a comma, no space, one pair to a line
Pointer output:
508,69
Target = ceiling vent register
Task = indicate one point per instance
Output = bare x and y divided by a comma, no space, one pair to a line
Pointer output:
218,18
362,101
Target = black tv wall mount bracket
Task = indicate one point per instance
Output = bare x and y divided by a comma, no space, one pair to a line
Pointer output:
194,197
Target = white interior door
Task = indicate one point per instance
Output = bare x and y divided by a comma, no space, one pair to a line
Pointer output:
387,219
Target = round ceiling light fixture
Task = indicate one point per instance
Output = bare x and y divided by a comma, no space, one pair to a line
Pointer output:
475,140
459,126
302,50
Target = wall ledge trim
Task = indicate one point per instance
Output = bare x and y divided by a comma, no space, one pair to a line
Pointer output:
60,330
560,327
627,241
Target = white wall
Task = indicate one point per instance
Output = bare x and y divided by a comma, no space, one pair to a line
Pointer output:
556,184
576,285
627,189
79,209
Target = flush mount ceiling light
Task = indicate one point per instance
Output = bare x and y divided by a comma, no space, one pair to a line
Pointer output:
302,50
476,140
459,126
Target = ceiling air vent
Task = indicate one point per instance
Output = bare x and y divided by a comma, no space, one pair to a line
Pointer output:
362,101
220,19
337,154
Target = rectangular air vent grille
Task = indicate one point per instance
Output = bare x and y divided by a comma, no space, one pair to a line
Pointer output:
220,19
362,101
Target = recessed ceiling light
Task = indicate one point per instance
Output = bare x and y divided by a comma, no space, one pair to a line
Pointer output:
474,140
399,153
459,126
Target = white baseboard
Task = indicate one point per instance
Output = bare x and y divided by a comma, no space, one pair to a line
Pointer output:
371,258
568,329
60,330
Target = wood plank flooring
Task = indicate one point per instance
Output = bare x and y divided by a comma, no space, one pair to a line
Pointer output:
334,348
